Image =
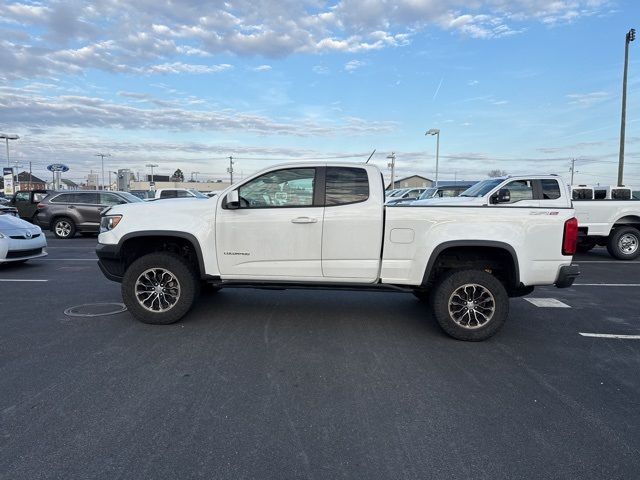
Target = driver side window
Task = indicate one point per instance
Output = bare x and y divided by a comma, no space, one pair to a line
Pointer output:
520,190
279,189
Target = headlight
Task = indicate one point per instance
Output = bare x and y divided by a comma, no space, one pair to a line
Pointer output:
109,222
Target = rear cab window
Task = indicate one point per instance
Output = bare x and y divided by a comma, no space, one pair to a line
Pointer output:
550,189
346,185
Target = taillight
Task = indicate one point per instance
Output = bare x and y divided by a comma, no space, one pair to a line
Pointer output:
41,206
570,237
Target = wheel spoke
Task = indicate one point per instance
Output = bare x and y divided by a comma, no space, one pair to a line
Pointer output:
471,306
157,290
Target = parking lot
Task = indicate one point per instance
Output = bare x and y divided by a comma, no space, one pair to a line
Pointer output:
315,384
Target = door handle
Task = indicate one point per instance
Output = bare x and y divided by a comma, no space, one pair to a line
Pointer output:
304,220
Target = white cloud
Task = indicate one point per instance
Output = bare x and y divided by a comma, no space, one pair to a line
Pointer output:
587,99
353,65
320,70
262,68
179,67
69,36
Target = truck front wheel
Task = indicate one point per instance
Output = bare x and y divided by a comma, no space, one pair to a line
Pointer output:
470,305
159,288
624,243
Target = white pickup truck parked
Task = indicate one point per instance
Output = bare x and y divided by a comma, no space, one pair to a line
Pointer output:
325,226
608,216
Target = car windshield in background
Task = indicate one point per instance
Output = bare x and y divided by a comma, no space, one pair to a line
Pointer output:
197,194
130,197
482,188
398,192
428,193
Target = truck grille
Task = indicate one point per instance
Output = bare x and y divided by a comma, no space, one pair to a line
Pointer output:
24,253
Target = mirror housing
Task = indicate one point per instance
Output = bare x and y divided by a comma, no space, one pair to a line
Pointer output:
501,196
233,200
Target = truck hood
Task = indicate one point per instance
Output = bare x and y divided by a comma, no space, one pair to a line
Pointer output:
459,201
157,208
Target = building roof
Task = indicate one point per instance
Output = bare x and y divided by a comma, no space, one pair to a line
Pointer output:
69,183
413,176
27,177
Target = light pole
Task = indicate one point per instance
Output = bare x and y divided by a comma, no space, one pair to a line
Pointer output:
630,37
7,137
151,165
102,155
436,132
230,169
392,166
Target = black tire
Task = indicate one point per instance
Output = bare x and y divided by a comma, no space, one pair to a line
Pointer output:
187,286
585,246
624,243
475,330
63,228
423,295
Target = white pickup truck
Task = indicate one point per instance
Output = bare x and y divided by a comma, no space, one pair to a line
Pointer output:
609,217
325,226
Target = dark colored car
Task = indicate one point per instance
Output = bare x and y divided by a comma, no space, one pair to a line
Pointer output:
65,213
26,201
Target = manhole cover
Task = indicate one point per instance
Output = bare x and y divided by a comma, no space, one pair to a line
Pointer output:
95,309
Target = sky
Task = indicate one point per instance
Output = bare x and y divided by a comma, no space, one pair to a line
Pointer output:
522,86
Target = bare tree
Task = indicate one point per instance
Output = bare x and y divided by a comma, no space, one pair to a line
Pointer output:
496,173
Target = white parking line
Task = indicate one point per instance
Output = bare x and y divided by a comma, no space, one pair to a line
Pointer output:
547,302
606,284
610,335
578,262
67,259
20,280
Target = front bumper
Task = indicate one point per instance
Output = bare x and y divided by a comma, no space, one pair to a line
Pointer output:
567,276
110,262
17,250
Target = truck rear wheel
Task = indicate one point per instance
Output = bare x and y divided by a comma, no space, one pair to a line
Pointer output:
470,305
624,243
159,288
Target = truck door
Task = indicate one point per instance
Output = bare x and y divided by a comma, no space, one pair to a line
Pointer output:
276,232
353,224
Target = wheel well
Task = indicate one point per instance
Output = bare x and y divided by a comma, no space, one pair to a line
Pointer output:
136,247
628,221
497,261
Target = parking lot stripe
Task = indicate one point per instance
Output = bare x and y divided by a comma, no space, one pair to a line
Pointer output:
578,262
606,284
547,302
67,259
21,280
610,335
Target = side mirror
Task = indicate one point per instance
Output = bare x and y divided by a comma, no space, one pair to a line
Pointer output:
501,196
233,200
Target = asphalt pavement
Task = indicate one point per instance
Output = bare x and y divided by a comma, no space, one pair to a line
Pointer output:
257,384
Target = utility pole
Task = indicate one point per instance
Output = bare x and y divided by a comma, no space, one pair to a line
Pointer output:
102,155
573,168
630,37
151,165
392,166
230,169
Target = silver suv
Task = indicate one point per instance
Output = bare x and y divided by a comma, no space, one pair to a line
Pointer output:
65,213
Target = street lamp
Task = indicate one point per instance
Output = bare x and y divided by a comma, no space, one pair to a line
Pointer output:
436,132
392,166
151,165
630,37
102,155
7,137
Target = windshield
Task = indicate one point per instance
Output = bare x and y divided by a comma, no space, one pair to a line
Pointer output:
197,194
428,193
130,197
398,192
482,188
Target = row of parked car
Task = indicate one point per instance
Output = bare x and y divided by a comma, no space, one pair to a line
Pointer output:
407,195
